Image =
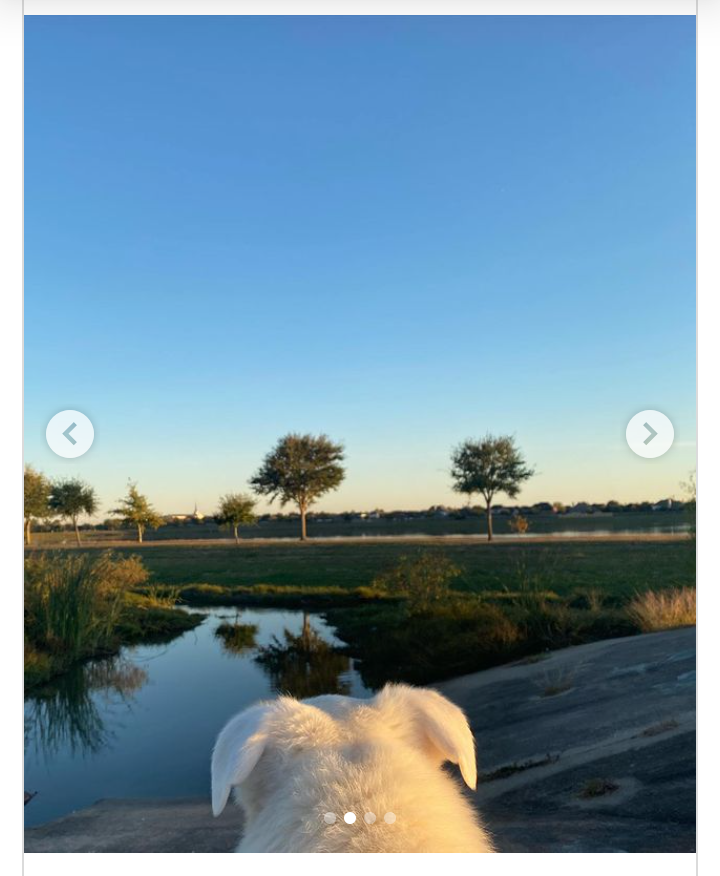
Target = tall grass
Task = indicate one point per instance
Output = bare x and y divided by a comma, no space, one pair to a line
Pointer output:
663,610
82,606
73,602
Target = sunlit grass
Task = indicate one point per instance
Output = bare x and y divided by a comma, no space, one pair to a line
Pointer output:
664,610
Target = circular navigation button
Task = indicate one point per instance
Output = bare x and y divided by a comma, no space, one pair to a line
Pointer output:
70,434
650,434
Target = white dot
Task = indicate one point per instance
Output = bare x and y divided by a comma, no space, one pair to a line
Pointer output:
329,818
370,818
390,818
349,818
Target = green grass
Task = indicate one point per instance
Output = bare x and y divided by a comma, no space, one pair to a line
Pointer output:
618,569
511,601
79,606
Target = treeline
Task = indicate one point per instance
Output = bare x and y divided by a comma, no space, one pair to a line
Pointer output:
298,471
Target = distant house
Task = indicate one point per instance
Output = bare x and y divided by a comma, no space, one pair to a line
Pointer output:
663,505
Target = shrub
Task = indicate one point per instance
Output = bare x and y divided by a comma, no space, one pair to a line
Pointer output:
423,580
519,524
663,610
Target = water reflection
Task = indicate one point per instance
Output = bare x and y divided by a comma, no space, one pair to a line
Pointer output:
144,725
237,638
304,665
66,715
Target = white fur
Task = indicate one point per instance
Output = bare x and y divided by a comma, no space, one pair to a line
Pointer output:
289,762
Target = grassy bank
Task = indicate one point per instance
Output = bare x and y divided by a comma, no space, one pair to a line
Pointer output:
616,567
422,616
433,631
496,602
466,634
83,606
274,596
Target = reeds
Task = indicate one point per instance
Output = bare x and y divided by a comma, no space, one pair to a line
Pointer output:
73,603
663,610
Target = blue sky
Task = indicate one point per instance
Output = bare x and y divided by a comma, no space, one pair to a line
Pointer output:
398,231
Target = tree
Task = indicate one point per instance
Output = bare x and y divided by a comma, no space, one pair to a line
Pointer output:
300,469
137,511
489,466
237,509
70,498
37,494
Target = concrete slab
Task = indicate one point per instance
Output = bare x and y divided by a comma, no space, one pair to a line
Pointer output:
184,824
590,749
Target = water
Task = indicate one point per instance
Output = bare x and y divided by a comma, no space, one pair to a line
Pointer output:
144,723
681,529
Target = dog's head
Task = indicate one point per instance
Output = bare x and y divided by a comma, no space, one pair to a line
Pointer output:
257,746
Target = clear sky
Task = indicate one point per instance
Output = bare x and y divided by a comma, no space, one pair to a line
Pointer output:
401,232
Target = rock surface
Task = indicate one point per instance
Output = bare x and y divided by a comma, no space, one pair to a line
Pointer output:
589,749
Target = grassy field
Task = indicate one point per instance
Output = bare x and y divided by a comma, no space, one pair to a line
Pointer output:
618,567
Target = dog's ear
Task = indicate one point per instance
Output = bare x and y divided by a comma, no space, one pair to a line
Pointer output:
237,750
442,727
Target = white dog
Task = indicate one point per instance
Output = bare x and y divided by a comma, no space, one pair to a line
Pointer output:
298,767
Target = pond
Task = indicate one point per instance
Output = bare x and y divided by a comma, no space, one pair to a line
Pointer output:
143,723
